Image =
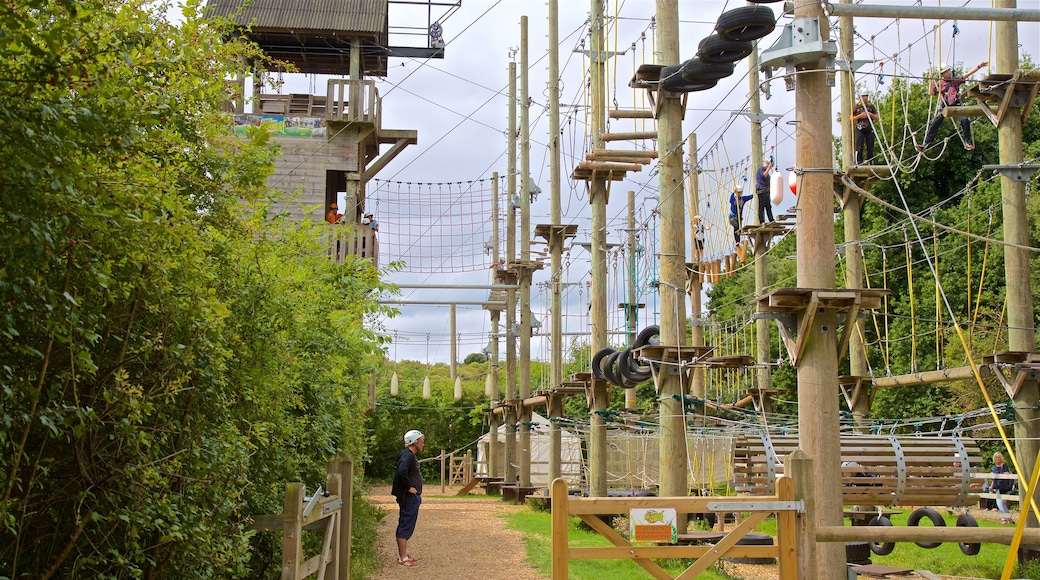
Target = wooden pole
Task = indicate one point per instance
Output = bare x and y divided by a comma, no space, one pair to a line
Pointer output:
525,257
799,467
673,454
329,566
763,346
510,415
700,266
560,527
818,423
444,458
556,240
598,199
344,468
454,350
493,468
292,523
1021,321
631,305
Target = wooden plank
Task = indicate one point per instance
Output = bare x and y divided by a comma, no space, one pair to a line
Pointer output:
630,136
630,114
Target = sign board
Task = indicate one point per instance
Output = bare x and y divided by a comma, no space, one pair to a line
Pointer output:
652,525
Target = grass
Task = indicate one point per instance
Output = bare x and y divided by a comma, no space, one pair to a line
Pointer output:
946,559
536,528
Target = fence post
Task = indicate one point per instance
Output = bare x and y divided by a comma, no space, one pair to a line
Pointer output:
468,472
799,466
328,568
443,458
344,467
786,531
560,523
292,520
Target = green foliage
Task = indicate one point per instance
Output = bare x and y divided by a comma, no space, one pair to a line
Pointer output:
166,365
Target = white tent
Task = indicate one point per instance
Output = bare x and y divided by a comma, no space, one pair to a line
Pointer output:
570,453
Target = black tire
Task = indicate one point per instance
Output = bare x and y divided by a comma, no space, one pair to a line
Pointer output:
609,369
754,539
697,71
672,81
597,363
714,49
763,1
857,552
887,547
630,370
746,23
936,519
968,521
644,336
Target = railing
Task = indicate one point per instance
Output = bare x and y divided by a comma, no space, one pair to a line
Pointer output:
353,101
352,240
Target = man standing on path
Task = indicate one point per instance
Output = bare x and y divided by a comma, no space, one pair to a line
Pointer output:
765,205
407,488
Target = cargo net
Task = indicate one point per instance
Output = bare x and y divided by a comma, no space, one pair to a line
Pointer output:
434,227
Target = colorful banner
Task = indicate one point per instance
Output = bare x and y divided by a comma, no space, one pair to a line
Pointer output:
282,126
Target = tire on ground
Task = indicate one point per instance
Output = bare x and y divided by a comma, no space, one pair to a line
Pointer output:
968,521
887,547
936,519
746,23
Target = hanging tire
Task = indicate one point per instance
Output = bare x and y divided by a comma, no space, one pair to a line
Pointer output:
937,521
644,337
672,81
887,547
714,49
968,521
746,23
631,370
597,363
697,71
609,368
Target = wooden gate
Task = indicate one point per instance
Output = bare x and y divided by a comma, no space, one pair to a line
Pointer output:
782,504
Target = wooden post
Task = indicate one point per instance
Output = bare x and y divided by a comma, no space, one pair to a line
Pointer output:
344,467
763,346
631,305
328,568
597,443
697,281
510,414
453,368
556,241
443,459
1021,321
818,368
787,531
560,527
496,317
525,258
799,467
673,452
292,522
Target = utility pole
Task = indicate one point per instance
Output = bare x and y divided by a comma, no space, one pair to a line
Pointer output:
671,387
511,403
555,406
763,354
598,199
696,280
1021,321
525,258
818,426
496,316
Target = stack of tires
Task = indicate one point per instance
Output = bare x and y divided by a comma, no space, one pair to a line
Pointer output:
717,55
620,367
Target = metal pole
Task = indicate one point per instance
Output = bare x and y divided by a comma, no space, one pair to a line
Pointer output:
598,198
818,369
673,454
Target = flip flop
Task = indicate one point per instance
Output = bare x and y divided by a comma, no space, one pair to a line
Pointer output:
408,563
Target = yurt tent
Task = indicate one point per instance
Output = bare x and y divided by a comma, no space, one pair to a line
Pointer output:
570,453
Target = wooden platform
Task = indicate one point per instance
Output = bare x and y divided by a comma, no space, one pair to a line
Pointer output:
517,494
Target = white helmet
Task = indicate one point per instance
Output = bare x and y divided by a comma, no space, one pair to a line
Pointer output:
412,436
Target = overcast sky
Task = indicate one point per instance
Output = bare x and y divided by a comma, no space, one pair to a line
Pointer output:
459,104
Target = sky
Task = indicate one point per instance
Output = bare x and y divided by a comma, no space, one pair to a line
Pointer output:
459,107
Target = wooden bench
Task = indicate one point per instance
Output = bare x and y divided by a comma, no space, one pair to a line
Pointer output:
517,493
877,470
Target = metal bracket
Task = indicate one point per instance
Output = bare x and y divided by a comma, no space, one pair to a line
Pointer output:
757,506
799,44
842,64
332,506
600,55
756,117
312,501
1016,172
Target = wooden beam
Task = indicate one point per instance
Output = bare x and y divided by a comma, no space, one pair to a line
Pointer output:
630,136
611,154
883,534
928,377
630,114
608,166
385,158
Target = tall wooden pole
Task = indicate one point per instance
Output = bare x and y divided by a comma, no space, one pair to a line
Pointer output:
851,214
818,370
556,241
673,456
763,346
511,417
696,277
454,348
525,258
493,468
631,305
598,199
1021,321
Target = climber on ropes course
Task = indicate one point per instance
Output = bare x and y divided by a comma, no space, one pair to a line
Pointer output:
948,87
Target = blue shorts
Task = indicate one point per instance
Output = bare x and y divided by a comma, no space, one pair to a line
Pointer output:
409,514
